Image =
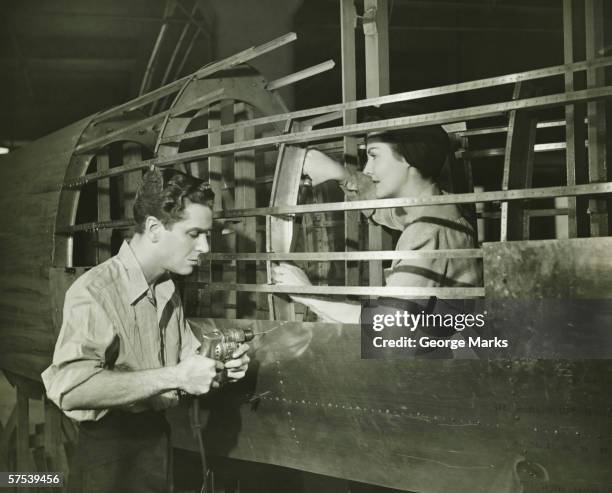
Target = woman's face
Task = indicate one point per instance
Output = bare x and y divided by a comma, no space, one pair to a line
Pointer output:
388,170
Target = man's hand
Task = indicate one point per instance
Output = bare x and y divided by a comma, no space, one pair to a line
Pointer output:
237,367
290,275
195,374
321,168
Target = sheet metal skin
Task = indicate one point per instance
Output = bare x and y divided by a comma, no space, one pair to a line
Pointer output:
30,181
552,296
309,402
33,206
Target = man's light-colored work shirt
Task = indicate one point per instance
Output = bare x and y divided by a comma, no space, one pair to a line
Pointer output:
112,320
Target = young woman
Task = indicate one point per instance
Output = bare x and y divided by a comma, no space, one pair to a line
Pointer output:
401,163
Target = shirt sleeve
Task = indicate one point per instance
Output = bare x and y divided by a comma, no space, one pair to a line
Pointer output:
80,350
417,272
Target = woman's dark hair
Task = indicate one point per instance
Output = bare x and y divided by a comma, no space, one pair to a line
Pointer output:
426,148
162,194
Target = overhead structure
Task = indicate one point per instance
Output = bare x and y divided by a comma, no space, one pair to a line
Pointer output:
407,424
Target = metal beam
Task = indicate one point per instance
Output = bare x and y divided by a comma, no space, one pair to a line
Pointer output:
193,105
148,74
596,113
463,5
191,16
348,23
175,52
500,129
330,256
444,293
349,104
186,54
518,166
575,134
279,229
207,70
500,151
103,195
376,39
441,117
301,75
458,198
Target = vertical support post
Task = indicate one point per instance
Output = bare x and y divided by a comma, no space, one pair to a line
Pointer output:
230,298
215,178
177,47
348,20
460,174
279,229
518,166
154,58
201,296
376,33
575,135
596,112
103,247
244,198
264,163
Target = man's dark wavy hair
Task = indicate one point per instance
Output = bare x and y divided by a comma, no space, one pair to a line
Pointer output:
164,194
426,148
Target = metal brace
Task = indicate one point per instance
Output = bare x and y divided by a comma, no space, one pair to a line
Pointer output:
369,22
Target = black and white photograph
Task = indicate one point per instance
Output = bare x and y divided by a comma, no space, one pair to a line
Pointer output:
306,246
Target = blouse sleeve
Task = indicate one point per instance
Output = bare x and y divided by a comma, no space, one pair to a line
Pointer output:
417,272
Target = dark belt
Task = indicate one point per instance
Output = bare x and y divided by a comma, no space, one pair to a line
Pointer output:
122,452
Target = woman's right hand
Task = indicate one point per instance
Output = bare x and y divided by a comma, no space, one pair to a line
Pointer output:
320,168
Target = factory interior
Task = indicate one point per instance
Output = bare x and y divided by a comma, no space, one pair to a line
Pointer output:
238,93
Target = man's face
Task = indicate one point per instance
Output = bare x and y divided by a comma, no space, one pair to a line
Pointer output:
183,241
388,170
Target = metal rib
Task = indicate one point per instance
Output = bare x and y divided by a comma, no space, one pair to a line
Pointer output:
441,117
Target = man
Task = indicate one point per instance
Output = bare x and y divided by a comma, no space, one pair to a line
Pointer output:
125,352
401,163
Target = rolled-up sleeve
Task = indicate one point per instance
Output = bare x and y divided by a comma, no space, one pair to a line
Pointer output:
80,350
417,272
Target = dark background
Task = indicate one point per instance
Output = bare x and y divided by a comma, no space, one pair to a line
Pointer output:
63,60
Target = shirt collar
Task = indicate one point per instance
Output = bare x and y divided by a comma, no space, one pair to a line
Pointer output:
137,285
406,215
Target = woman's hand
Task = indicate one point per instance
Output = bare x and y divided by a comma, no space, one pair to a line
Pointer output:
289,275
321,168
